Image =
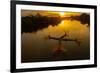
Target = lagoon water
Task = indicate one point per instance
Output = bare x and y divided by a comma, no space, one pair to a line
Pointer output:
35,47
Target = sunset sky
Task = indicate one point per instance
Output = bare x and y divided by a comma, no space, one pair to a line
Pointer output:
48,13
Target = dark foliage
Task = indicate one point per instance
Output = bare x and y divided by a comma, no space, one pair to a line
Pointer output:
37,22
34,23
83,18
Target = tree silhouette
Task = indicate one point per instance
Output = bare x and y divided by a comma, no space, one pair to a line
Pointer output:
37,22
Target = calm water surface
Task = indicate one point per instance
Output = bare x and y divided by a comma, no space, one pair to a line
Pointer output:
36,48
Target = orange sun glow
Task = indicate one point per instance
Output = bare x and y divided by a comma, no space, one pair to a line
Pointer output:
62,14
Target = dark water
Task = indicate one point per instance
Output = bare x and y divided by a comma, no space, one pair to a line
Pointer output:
36,48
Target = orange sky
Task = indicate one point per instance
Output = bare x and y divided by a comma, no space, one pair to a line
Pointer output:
48,13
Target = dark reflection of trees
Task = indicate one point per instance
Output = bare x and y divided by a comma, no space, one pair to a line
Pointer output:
83,18
37,22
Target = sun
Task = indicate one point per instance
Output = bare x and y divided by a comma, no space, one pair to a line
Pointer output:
62,14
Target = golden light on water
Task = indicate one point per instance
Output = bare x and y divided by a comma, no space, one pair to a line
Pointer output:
65,25
72,25
62,14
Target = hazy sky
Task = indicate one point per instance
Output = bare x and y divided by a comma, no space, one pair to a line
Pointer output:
47,13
